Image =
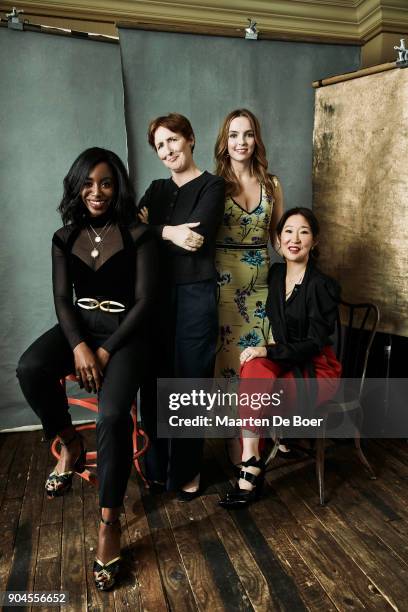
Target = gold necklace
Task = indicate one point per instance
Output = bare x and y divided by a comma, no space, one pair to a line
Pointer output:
98,239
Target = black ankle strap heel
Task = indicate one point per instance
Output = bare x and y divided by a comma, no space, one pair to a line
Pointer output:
110,523
242,497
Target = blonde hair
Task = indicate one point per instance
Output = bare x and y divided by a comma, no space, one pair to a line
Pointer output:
259,164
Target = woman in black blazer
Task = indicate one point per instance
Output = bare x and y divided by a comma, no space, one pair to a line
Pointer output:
302,308
184,212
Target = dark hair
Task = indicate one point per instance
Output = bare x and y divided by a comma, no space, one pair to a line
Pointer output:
72,208
310,218
174,122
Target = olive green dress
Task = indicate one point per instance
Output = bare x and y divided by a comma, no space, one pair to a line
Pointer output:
242,262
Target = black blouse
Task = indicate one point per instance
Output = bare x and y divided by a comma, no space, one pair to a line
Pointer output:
201,199
303,324
125,271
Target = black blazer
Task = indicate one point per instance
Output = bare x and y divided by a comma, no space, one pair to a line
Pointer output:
201,199
302,326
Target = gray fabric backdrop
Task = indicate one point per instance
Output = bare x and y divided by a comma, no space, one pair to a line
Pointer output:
58,96
205,77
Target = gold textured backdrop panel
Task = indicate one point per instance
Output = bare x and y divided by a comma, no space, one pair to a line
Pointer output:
360,190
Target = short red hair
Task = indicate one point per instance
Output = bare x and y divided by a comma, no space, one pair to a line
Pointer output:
175,123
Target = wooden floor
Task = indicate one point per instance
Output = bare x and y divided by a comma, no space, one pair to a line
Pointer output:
283,553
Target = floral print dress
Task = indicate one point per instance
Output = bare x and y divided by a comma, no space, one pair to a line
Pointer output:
242,262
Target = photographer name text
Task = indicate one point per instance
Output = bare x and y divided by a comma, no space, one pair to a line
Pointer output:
247,422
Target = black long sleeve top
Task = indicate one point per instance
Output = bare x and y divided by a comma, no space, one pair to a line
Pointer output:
201,199
125,272
303,324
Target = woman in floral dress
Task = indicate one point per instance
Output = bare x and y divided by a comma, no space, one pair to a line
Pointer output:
253,207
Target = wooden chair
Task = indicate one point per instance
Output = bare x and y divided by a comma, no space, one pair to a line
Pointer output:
355,330
91,403
356,327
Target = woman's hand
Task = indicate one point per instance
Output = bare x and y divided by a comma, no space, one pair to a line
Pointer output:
143,215
183,236
277,212
251,353
102,357
87,368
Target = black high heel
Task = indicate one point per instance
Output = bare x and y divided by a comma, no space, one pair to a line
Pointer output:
105,573
156,487
240,498
187,496
292,453
58,484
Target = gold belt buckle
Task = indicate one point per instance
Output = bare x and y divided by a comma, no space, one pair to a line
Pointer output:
88,303
111,306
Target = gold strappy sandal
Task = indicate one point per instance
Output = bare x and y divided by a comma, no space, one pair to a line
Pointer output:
59,483
105,573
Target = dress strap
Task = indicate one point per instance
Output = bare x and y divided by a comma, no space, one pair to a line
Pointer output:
243,247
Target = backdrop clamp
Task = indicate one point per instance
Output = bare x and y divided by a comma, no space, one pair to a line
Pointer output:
13,19
402,61
251,32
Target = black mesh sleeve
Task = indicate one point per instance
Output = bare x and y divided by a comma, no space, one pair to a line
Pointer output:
145,202
145,293
63,294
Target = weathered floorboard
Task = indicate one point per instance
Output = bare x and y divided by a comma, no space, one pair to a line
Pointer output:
282,553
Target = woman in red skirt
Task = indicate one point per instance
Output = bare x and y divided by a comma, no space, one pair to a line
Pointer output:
302,309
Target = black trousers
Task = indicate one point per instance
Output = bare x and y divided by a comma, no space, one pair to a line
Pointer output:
186,343
50,358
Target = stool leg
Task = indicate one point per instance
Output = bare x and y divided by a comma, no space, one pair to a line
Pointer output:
92,404
136,452
363,459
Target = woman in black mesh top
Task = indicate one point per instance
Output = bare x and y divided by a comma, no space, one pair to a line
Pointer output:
108,259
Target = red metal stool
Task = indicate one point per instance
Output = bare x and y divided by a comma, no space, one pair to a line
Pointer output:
91,403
